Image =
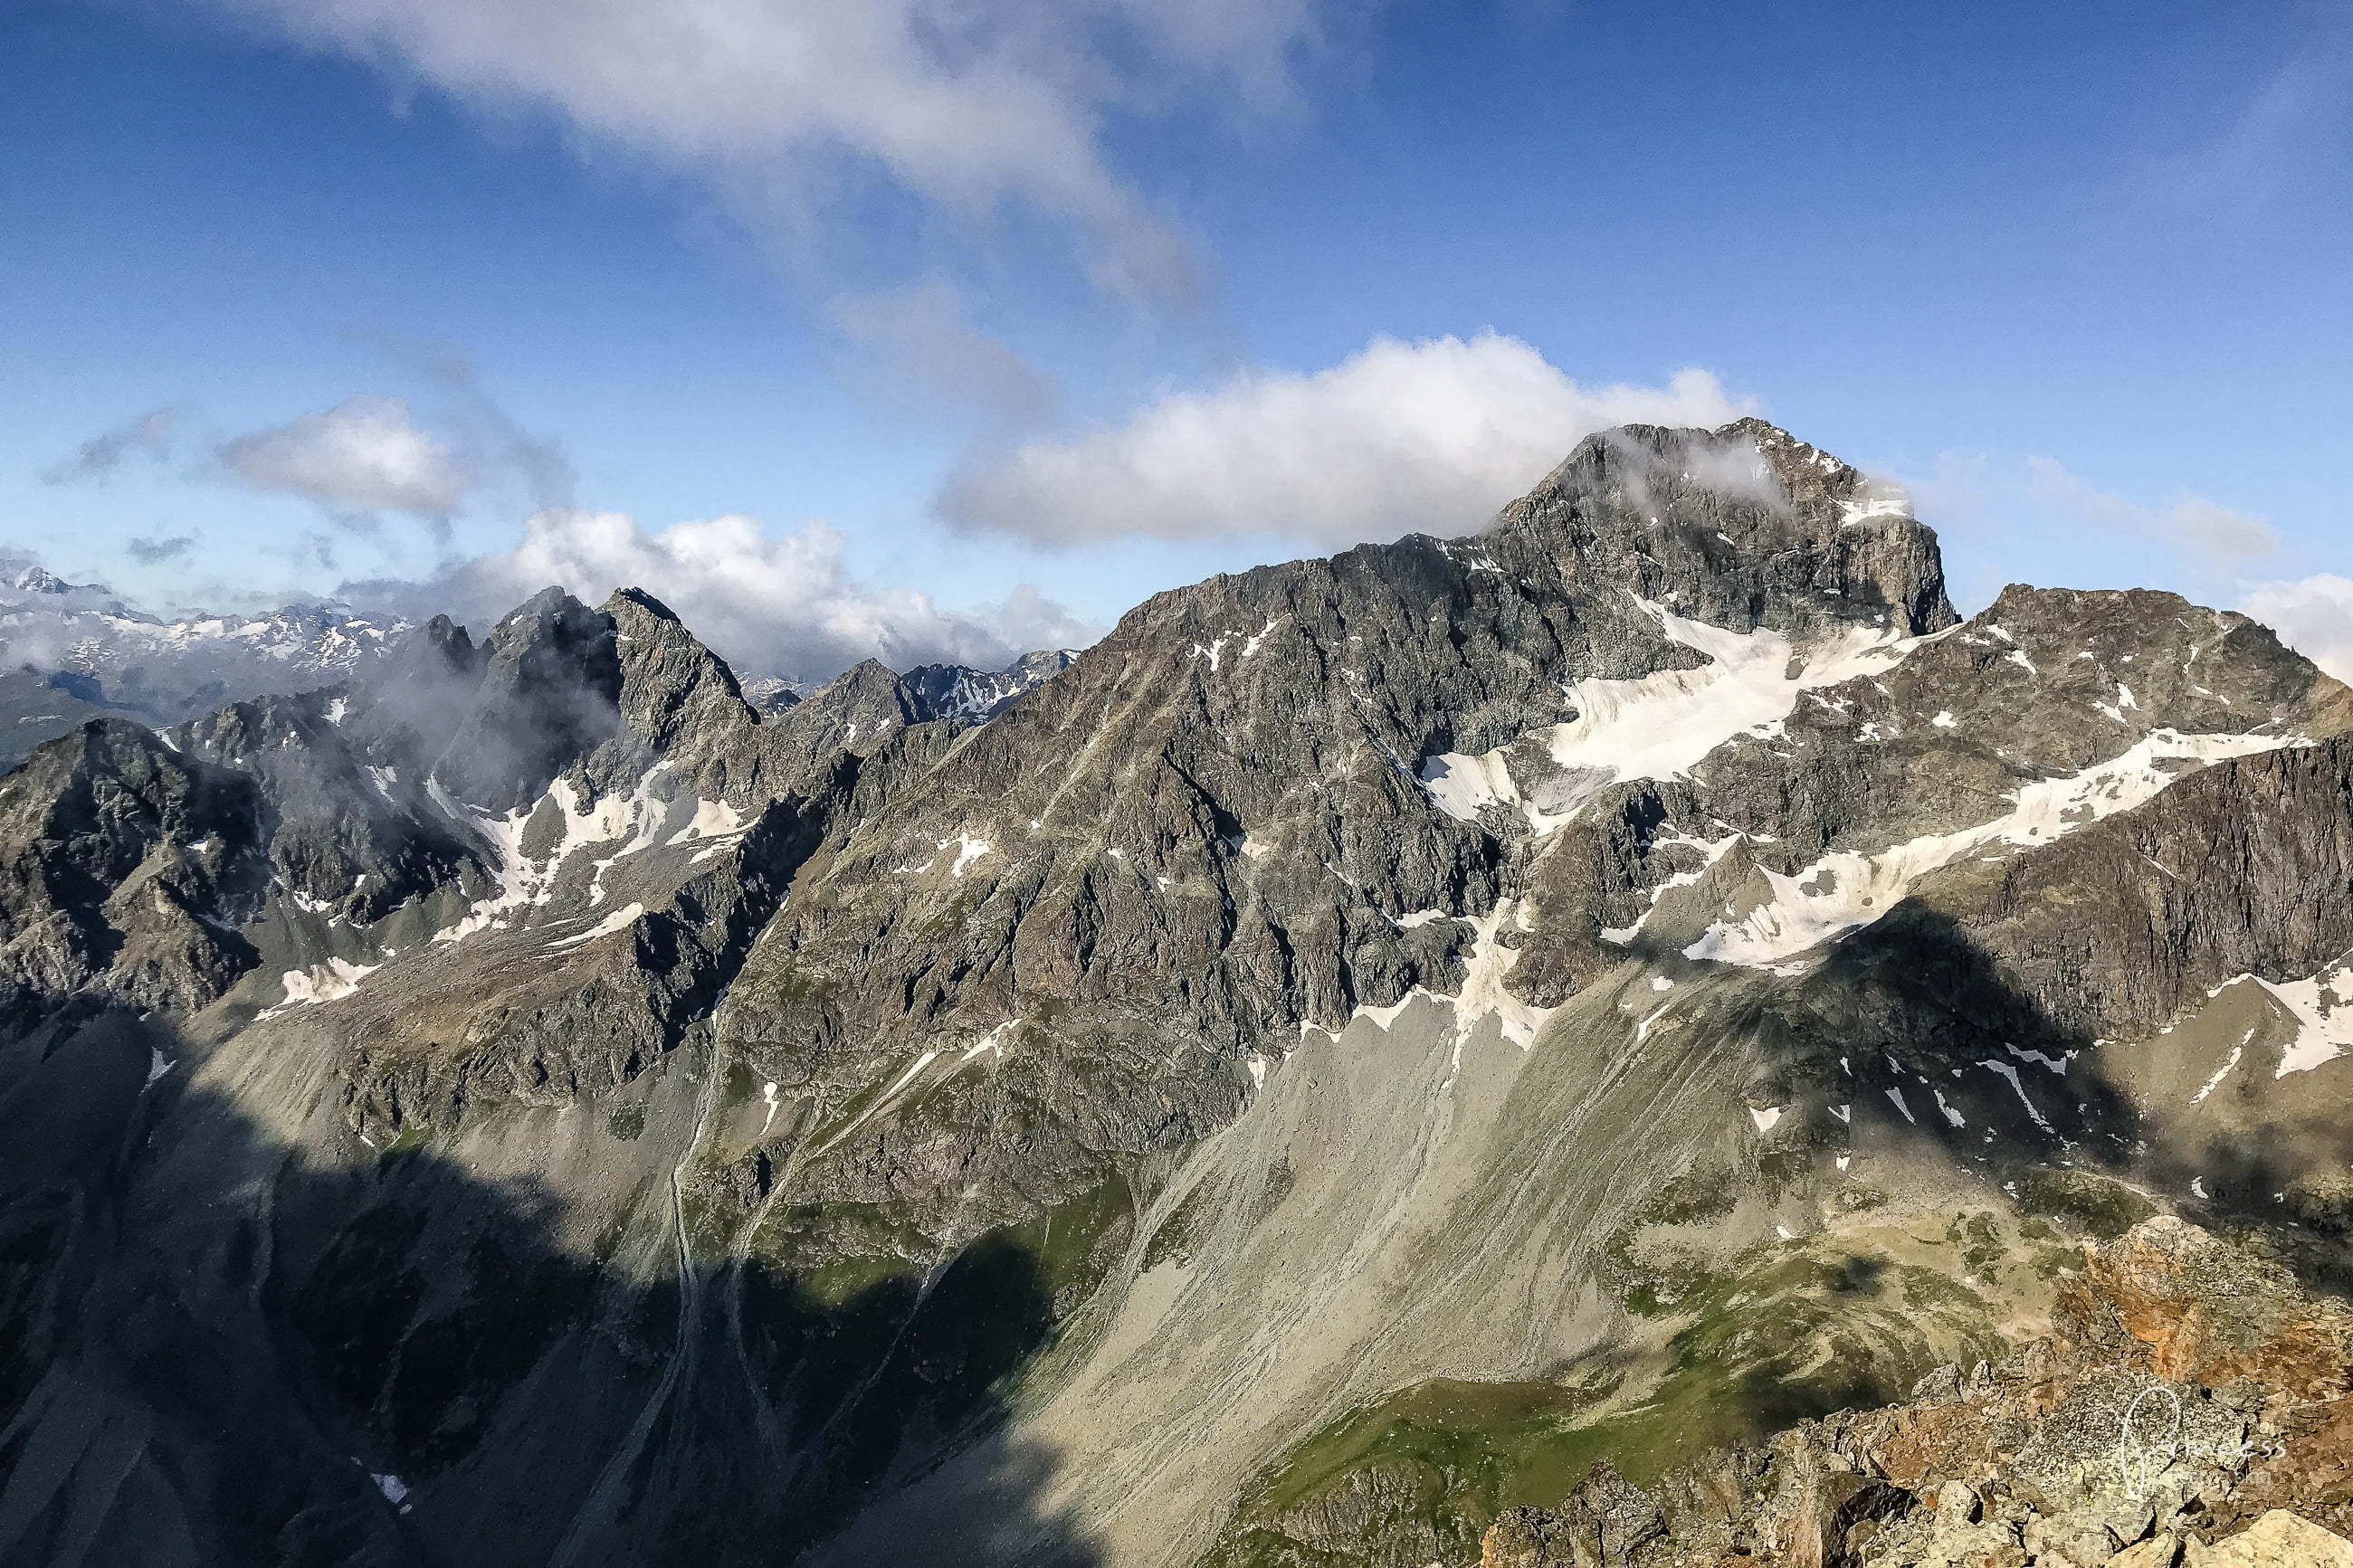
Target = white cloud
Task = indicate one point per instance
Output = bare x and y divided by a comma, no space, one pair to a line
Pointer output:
786,108
1433,435
2191,522
785,605
362,454
2312,614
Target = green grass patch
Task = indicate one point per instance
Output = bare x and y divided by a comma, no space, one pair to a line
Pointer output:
2095,1204
1788,1338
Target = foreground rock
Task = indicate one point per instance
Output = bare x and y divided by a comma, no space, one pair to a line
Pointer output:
2191,1407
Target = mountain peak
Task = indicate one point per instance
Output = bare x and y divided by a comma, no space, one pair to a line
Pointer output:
1748,524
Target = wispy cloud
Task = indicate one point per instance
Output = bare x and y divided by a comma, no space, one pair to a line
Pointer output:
922,334
149,436
2190,521
493,445
792,113
782,605
1432,436
2281,141
2312,614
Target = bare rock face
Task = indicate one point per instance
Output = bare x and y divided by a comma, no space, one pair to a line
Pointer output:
2278,1540
124,865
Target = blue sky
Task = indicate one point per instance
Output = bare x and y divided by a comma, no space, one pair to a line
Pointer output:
1034,316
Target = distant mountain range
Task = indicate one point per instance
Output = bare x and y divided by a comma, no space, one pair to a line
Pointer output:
73,651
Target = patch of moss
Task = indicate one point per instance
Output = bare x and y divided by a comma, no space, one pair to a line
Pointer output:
1433,1463
358,1303
455,1368
1789,1337
2104,1207
1654,1281
626,1122
1075,1243
1981,1244
1926,1290
901,1353
30,1255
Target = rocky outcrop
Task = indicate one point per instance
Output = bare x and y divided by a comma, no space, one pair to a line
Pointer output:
966,696
124,869
2192,1391
2116,928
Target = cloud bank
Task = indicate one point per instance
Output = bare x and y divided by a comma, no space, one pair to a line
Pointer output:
785,605
1432,436
2312,614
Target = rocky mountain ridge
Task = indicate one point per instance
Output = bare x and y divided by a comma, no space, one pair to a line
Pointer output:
73,651
1415,1003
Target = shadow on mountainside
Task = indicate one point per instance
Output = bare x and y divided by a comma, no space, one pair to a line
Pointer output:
220,1348
1921,992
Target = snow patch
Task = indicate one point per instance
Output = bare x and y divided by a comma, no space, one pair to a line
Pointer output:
1482,994
527,882
2323,1009
328,982
620,920
2229,1064
1843,891
1874,501
2320,1007
712,819
969,849
1662,724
